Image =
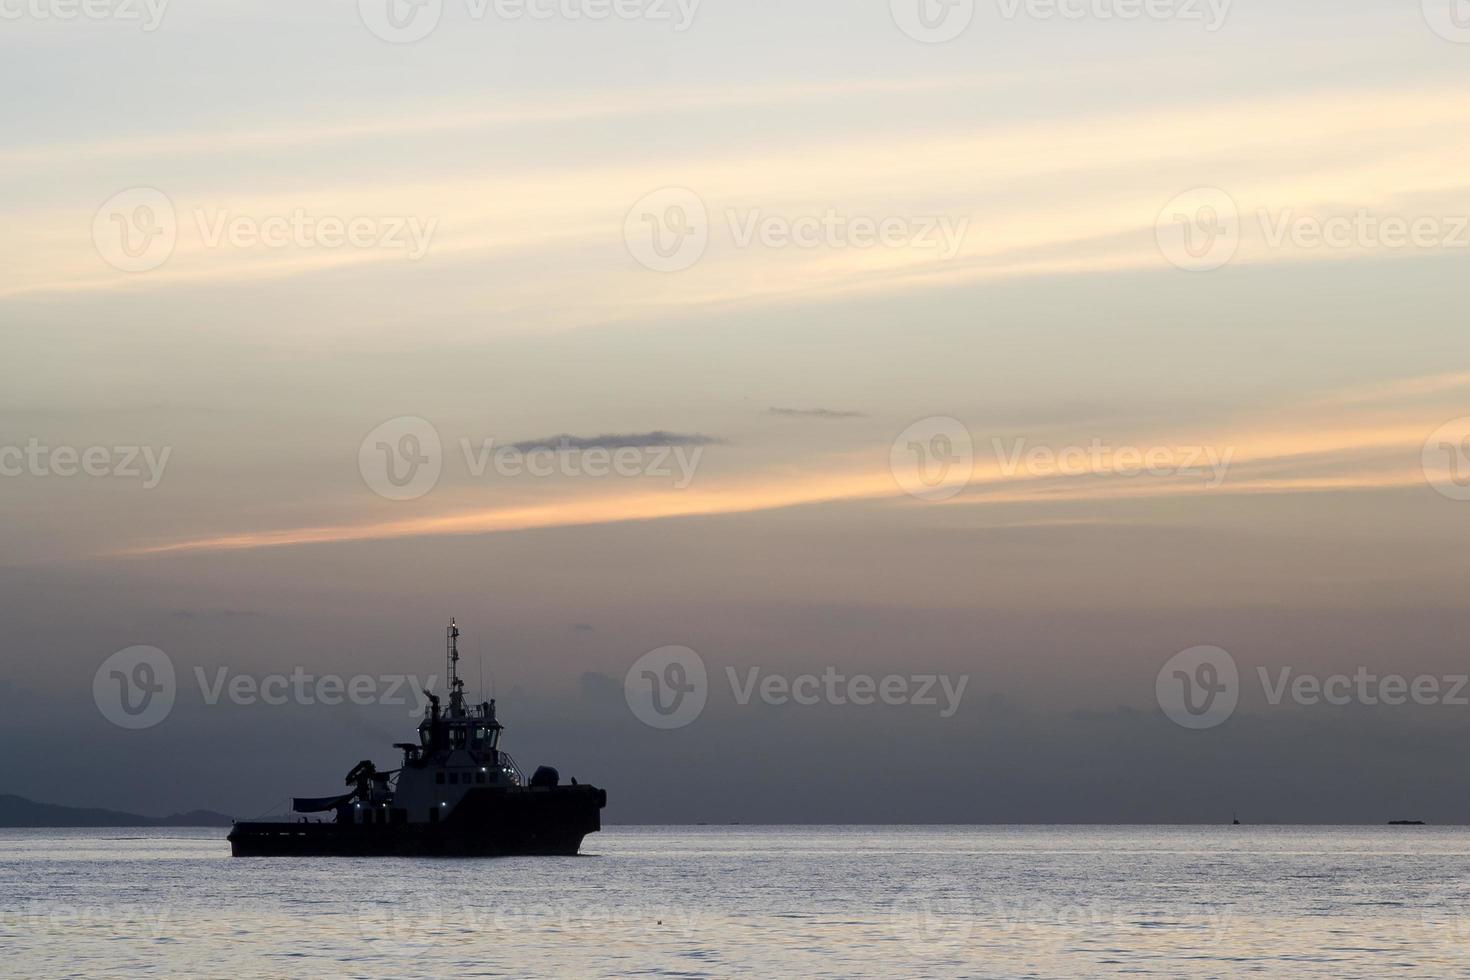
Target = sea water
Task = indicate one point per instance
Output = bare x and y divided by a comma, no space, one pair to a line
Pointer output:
757,901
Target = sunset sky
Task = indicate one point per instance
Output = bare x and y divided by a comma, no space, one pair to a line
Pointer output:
509,179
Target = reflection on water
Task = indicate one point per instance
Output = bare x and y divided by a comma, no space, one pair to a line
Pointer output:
771,901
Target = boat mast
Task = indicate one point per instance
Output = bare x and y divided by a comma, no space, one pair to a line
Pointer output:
455,685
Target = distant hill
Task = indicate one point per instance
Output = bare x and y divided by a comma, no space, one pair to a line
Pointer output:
17,811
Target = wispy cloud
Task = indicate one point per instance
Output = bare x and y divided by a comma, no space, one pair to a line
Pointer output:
376,124
767,493
1071,196
1305,449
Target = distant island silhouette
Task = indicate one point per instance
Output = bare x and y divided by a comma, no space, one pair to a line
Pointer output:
17,811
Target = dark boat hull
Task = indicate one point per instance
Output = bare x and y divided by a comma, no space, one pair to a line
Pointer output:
486,823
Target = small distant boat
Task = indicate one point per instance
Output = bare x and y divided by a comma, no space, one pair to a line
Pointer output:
1234,820
1406,823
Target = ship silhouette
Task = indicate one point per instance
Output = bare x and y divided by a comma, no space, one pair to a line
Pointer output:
456,794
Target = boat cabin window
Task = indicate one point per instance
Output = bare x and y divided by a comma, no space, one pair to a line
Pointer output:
439,778
457,736
479,777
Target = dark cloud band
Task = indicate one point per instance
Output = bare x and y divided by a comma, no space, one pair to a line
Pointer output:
635,440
